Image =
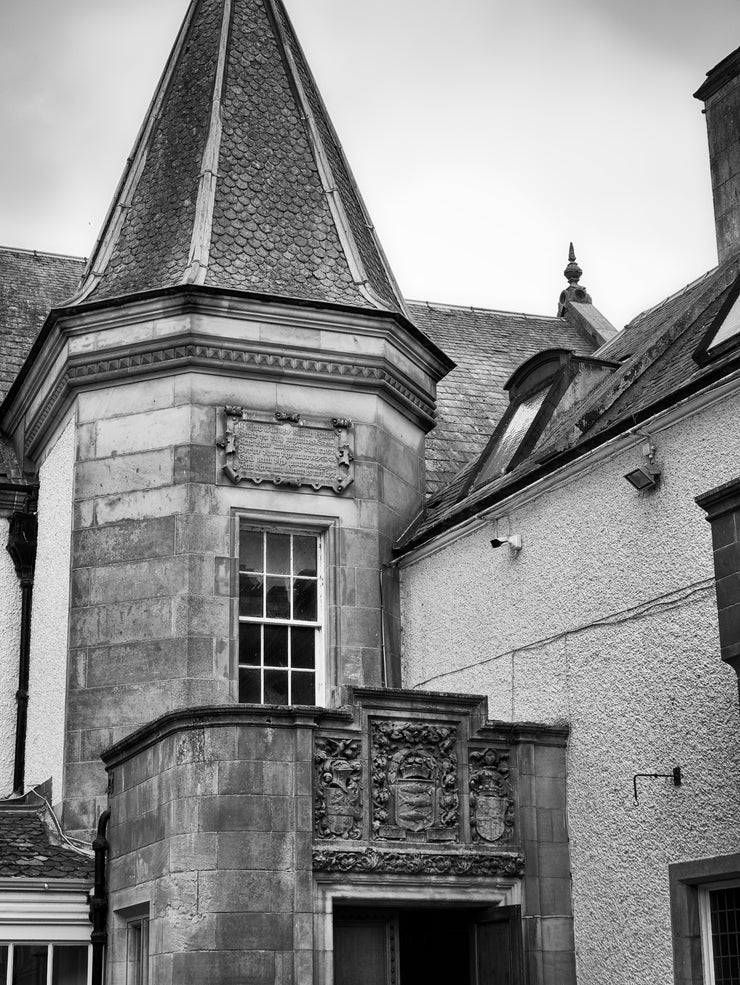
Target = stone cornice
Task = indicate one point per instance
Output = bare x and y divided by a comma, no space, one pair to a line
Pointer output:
75,354
209,716
200,301
14,495
462,863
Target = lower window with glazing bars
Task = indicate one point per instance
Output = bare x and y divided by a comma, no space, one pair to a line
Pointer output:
280,615
44,964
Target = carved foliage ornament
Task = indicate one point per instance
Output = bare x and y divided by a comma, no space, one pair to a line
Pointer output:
418,863
287,451
491,796
338,788
414,782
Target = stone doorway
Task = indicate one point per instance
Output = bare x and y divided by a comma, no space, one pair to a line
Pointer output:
427,945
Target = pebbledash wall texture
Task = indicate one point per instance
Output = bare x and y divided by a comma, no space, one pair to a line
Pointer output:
50,620
10,620
628,657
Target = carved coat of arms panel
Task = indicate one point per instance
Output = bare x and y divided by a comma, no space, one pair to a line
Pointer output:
414,782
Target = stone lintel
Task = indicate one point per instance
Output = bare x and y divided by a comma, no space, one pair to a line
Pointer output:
721,500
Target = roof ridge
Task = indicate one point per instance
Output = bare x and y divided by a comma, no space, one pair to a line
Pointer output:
41,253
475,308
671,297
128,182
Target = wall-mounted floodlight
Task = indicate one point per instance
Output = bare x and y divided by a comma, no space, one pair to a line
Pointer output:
647,476
514,542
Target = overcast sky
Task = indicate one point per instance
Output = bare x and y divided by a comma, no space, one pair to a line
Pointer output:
484,134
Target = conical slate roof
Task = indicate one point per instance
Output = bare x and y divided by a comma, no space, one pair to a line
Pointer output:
237,180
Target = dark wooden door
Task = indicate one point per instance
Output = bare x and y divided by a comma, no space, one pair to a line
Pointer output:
496,947
365,948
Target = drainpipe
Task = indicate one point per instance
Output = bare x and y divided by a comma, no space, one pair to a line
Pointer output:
99,902
22,549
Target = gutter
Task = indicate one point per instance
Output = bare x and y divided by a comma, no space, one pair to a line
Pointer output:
99,902
560,467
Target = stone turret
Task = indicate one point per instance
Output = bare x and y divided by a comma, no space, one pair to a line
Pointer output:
242,404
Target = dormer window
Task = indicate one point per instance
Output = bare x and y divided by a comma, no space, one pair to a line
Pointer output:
552,380
724,332
535,390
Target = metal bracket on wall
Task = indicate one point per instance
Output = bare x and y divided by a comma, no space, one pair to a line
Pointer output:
675,775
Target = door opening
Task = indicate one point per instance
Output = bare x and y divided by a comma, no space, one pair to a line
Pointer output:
426,946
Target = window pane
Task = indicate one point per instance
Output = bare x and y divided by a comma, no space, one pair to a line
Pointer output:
304,556
724,906
276,687
276,646
250,639
249,687
304,599
303,644
69,966
250,549
250,595
3,963
278,599
278,554
304,689
29,964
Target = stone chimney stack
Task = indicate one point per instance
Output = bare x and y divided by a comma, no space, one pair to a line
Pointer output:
721,95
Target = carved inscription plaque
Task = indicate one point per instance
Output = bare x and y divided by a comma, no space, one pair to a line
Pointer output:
287,451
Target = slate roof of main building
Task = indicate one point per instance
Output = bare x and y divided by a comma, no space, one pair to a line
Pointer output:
32,847
237,180
656,370
31,283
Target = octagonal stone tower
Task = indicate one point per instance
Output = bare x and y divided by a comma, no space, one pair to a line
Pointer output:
237,368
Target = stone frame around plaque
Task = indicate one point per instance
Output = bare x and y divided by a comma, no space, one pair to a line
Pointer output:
287,450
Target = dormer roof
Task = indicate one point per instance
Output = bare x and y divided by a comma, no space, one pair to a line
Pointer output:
237,180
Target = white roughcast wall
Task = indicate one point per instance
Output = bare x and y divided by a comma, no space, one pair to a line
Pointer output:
10,632
607,621
48,674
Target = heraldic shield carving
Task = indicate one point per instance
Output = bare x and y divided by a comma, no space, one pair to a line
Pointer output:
338,776
491,797
414,782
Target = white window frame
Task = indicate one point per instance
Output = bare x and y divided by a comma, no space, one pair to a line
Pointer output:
21,941
137,966
705,923
322,528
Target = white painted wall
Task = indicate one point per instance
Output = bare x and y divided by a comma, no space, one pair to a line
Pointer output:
48,673
606,620
10,622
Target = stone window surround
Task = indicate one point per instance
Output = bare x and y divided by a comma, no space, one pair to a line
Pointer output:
437,891
325,528
687,879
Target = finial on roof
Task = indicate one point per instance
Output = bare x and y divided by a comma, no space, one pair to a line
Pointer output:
573,292
572,272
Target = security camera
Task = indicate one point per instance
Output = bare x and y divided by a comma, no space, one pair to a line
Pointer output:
514,542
